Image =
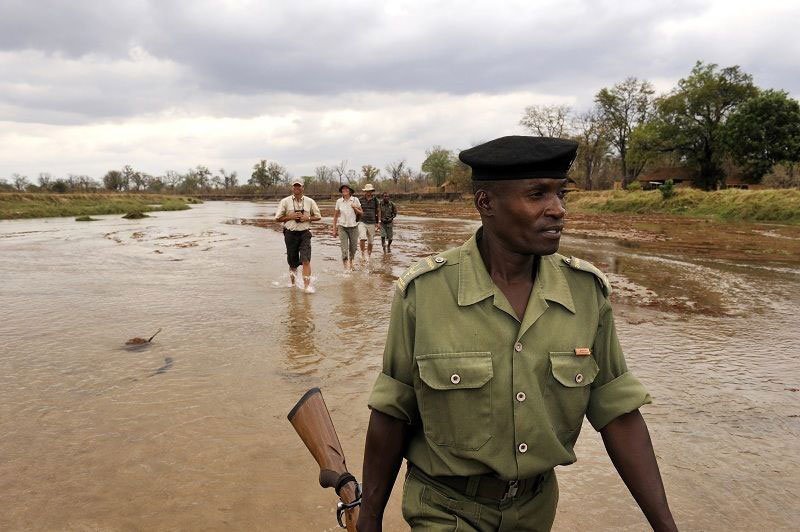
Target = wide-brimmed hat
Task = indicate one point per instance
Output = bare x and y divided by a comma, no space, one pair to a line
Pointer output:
345,185
368,188
297,181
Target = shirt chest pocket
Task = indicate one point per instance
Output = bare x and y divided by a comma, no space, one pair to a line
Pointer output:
455,398
569,388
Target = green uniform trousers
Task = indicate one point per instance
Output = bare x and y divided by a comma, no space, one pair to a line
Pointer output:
433,507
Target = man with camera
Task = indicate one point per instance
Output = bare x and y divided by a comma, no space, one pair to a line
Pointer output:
297,212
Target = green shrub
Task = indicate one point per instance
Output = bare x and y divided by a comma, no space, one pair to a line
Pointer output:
632,187
667,189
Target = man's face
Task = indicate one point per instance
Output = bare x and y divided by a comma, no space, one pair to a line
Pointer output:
297,189
369,194
386,198
529,215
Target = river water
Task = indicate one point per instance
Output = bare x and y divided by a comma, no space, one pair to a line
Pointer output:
190,432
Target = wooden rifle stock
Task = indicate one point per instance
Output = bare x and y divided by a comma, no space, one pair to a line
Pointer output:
312,421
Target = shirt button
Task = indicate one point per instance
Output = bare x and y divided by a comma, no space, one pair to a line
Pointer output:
455,378
518,347
579,378
520,396
523,447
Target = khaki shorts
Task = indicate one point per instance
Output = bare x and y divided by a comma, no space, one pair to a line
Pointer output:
366,232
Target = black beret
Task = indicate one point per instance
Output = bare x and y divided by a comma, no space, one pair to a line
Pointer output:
520,157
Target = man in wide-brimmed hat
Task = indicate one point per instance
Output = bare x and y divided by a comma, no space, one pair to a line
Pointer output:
369,220
346,225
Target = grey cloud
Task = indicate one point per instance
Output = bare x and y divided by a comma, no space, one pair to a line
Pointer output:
236,60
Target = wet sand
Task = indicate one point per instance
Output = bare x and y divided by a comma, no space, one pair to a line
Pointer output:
94,436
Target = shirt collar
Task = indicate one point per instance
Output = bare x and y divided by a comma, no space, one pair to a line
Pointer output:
474,283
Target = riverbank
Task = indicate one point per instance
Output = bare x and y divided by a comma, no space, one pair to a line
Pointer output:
23,205
725,205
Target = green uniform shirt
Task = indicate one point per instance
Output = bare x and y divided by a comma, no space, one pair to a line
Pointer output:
486,393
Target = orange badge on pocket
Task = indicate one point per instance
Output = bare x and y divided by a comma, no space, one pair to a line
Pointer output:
583,351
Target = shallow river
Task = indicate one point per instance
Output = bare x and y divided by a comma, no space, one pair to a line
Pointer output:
190,432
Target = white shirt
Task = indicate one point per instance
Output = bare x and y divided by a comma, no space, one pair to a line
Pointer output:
289,205
347,216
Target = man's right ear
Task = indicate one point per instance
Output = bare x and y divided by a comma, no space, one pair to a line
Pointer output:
484,203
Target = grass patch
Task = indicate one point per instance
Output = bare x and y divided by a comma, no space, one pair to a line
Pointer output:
25,205
729,205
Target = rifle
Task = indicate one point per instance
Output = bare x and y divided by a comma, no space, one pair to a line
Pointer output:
312,421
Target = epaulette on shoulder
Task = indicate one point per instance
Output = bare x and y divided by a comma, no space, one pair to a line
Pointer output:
579,264
426,265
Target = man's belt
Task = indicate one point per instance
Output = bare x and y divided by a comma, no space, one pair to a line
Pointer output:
488,487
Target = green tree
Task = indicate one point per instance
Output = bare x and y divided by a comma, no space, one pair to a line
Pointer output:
622,108
370,173
691,118
764,131
438,163
266,174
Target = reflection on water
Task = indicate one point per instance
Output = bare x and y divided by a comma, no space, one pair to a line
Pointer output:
189,432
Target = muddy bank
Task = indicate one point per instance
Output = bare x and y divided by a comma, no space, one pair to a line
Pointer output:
656,233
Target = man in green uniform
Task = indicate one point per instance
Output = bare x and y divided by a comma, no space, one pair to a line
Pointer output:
496,350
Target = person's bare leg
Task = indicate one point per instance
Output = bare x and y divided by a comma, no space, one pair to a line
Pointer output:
362,245
306,274
292,274
369,249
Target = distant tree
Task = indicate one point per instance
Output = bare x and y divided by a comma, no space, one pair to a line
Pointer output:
129,178
546,120
266,174
764,131
370,173
172,179
4,186
20,181
324,174
45,180
276,173
592,135
259,176
460,175
622,108
59,186
396,170
351,176
113,180
438,163
155,184
229,181
691,118
203,176
341,170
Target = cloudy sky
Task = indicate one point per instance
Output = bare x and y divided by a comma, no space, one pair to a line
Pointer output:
88,86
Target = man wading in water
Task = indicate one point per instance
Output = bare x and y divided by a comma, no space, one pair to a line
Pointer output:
496,350
297,212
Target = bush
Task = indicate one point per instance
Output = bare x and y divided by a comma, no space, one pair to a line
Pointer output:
785,175
667,189
632,187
